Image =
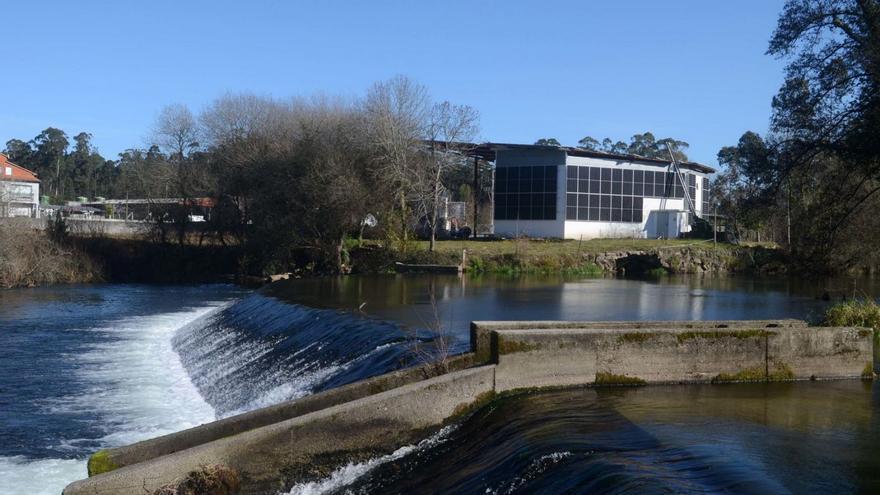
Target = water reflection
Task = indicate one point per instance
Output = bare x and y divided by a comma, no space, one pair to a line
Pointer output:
407,298
774,438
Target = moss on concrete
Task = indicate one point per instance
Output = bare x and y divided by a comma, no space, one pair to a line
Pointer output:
100,462
506,346
607,379
635,337
755,374
466,408
780,372
713,334
868,372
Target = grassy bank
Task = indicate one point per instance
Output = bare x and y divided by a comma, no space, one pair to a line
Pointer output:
590,257
139,260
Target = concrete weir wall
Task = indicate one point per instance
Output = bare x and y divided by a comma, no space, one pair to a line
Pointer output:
271,457
274,447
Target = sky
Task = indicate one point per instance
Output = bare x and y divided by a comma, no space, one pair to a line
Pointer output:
694,70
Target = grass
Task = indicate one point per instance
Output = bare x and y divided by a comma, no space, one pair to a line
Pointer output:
854,313
562,247
540,256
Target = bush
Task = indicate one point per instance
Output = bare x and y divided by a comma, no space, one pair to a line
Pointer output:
854,313
30,257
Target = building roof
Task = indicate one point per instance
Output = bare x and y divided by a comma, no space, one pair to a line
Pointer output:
19,173
488,150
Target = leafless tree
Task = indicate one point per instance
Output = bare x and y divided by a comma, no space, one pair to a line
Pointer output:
398,112
451,128
176,131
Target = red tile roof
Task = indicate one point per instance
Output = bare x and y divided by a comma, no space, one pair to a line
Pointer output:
19,173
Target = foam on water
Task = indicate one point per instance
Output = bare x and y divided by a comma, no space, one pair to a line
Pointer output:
347,475
39,477
136,387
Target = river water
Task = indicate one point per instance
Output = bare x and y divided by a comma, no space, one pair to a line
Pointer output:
89,367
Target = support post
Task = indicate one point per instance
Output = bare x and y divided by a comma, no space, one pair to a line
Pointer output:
476,195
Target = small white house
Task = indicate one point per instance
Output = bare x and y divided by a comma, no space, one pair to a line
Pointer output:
19,190
572,193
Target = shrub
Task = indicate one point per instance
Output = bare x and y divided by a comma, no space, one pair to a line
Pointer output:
29,257
854,313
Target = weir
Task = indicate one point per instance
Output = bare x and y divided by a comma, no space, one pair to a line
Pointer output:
274,447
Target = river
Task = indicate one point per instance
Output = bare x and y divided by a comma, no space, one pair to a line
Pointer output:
89,367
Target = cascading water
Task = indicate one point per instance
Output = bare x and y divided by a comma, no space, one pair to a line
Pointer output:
260,351
85,368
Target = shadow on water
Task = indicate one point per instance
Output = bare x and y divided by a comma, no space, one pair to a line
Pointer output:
786,438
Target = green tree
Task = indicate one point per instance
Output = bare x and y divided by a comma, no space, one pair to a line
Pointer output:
547,142
19,152
644,144
50,148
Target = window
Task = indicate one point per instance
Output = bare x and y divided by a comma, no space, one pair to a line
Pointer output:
617,195
604,194
529,193
8,171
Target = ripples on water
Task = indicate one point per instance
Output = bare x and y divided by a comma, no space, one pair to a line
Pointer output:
785,438
91,367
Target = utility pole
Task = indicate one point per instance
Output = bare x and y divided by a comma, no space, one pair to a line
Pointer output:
476,194
788,214
715,226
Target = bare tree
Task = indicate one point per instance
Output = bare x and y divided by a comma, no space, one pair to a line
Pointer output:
398,111
176,131
451,130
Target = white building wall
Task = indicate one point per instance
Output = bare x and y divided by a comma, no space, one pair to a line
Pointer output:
19,199
573,229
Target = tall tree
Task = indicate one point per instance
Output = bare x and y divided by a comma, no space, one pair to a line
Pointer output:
50,148
451,127
398,111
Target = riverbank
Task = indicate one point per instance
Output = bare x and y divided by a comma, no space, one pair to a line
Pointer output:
35,258
30,258
633,257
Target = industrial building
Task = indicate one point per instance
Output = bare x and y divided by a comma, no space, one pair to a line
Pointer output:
574,193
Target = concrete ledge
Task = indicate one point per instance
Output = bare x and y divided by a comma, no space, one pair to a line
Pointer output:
558,357
272,457
481,330
274,447
233,425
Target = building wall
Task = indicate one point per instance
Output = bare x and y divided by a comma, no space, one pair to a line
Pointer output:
648,227
535,228
19,199
575,229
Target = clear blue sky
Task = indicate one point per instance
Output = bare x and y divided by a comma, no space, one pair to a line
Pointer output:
690,69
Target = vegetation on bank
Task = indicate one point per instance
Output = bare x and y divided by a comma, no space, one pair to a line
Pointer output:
863,313
813,182
30,257
854,313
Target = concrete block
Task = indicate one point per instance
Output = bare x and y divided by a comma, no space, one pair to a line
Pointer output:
481,330
233,425
821,352
272,457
